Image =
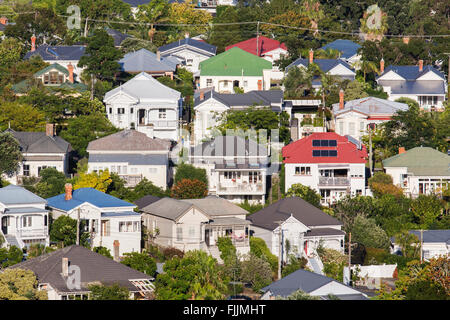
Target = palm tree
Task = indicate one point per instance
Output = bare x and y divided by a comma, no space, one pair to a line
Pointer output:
329,53
366,67
154,12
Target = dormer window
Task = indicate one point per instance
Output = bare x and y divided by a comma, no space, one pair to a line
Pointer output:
53,77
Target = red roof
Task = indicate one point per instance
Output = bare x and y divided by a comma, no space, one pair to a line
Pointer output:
301,151
264,45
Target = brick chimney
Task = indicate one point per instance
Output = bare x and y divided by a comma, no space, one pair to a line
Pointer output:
33,43
311,55
381,65
4,20
65,267
158,55
50,129
116,245
68,190
341,99
186,35
401,150
405,40
202,95
70,68
420,65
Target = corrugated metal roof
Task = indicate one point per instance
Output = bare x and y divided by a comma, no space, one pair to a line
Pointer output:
424,87
189,42
299,280
13,194
347,47
146,61
371,106
251,98
229,146
131,159
324,64
263,45
128,140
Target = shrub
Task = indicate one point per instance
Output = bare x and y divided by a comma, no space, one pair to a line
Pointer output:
226,248
103,251
259,248
112,292
140,262
256,271
171,252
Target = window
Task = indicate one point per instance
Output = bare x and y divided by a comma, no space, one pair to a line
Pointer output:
128,226
41,168
26,222
351,128
162,113
26,170
358,192
191,232
303,170
136,226
179,233
341,128
132,110
225,84
189,62
362,127
110,110
245,83
209,82
120,110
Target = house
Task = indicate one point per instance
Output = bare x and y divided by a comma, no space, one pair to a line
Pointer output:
111,222
118,36
269,49
62,55
353,117
298,222
347,48
435,243
420,170
57,271
305,117
196,224
313,284
335,67
235,68
424,84
147,105
53,76
211,105
236,168
132,155
24,219
148,62
40,150
329,163
189,51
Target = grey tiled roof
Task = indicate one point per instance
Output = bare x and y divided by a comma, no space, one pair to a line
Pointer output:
412,72
433,235
371,106
251,98
39,142
227,146
128,140
118,36
131,158
146,61
13,194
93,266
145,201
300,209
168,208
189,42
216,206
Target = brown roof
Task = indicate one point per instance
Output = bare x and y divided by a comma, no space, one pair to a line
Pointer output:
93,268
128,140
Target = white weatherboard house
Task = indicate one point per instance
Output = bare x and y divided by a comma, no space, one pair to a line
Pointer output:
189,51
147,105
196,224
331,164
435,243
110,222
210,106
353,117
236,168
132,155
23,217
420,170
424,84
313,284
40,150
301,224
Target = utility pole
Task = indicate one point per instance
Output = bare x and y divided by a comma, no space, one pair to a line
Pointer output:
421,245
349,258
257,39
370,127
92,86
78,227
448,75
280,244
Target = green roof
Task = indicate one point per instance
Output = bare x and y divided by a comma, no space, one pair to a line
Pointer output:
56,66
234,62
421,161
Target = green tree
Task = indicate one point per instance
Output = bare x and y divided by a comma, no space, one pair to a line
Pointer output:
188,171
140,261
99,181
154,12
37,250
103,251
226,248
189,189
426,209
256,271
10,155
11,256
258,247
306,193
63,230
18,284
298,295
293,265
196,276
108,292
382,183
366,232
10,52
20,117
51,184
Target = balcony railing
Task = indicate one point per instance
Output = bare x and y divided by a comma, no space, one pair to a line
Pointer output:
163,123
131,179
336,181
241,188
32,233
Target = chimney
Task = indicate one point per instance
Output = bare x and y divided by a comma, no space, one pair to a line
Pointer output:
311,55
33,43
68,190
70,68
381,65
341,99
116,245
202,95
158,55
49,129
4,20
186,35
401,150
405,40
420,65
65,267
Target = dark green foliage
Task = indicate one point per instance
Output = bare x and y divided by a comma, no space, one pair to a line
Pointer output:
171,252
103,251
226,248
188,171
256,271
425,290
143,188
259,248
306,193
251,208
63,230
108,292
293,265
35,250
10,155
10,257
51,184
140,261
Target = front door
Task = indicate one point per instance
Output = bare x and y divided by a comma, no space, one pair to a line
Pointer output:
5,225
141,116
207,237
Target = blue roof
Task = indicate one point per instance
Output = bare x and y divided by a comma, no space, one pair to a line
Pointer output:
132,159
120,214
13,194
412,72
135,3
347,47
433,235
90,195
189,42
420,87
58,52
324,64
146,61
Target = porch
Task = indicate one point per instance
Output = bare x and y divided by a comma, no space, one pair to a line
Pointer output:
233,228
241,182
